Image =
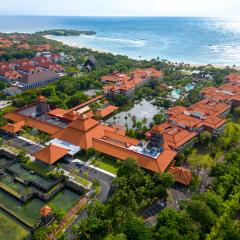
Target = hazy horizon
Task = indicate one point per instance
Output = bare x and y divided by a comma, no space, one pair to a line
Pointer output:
123,8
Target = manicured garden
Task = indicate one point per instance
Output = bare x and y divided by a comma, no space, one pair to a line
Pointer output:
106,163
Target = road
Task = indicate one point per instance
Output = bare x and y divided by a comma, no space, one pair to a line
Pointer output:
178,193
105,182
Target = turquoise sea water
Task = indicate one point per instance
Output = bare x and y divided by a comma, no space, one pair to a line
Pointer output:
194,40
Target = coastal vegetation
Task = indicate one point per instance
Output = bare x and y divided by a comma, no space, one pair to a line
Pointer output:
65,32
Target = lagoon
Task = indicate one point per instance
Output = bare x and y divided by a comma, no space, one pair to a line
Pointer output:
143,110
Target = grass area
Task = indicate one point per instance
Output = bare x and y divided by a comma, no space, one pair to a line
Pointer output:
10,229
109,164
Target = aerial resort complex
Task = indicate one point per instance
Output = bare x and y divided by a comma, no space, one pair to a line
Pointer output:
97,146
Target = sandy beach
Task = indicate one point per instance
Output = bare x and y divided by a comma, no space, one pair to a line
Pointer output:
196,65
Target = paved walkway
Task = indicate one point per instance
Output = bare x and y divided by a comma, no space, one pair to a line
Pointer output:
29,141
94,167
70,214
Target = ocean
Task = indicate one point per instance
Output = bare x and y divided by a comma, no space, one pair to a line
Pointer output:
180,39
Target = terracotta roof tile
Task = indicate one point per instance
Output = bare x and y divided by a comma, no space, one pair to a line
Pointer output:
51,154
106,111
13,128
57,112
181,175
173,136
44,211
214,122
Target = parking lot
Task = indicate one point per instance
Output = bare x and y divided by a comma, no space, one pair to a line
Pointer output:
154,209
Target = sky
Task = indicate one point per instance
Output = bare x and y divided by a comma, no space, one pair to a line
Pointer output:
222,8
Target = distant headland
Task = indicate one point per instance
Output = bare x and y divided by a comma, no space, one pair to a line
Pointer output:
65,32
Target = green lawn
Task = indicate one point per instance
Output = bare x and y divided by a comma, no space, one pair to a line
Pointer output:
10,229
107,164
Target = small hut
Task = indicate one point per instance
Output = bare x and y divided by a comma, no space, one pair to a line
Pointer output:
47,215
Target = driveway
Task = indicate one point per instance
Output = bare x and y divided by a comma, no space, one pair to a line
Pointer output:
178,193
104,180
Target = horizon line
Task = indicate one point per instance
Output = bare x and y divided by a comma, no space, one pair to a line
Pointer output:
120,16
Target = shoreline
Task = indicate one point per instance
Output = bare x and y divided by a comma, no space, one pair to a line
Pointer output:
196,65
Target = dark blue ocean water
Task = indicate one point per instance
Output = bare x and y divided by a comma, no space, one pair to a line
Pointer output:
194,40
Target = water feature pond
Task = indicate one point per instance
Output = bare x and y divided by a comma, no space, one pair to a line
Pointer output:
143,110
11,229
29,211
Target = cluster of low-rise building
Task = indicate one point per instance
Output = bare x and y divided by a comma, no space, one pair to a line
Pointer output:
20,42
126,84
26,74
78,127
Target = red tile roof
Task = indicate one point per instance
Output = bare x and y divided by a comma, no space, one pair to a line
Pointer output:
81,132
32,122
214,122
10,74
41,98
13,116
28,68
42,126
181,175
83,123
173,136
209,108
23,46
224,93
119,148
51,66
103,112
46,210
122,82
183,120
51,154
58,112
42,47
176,110
233,78
13,128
